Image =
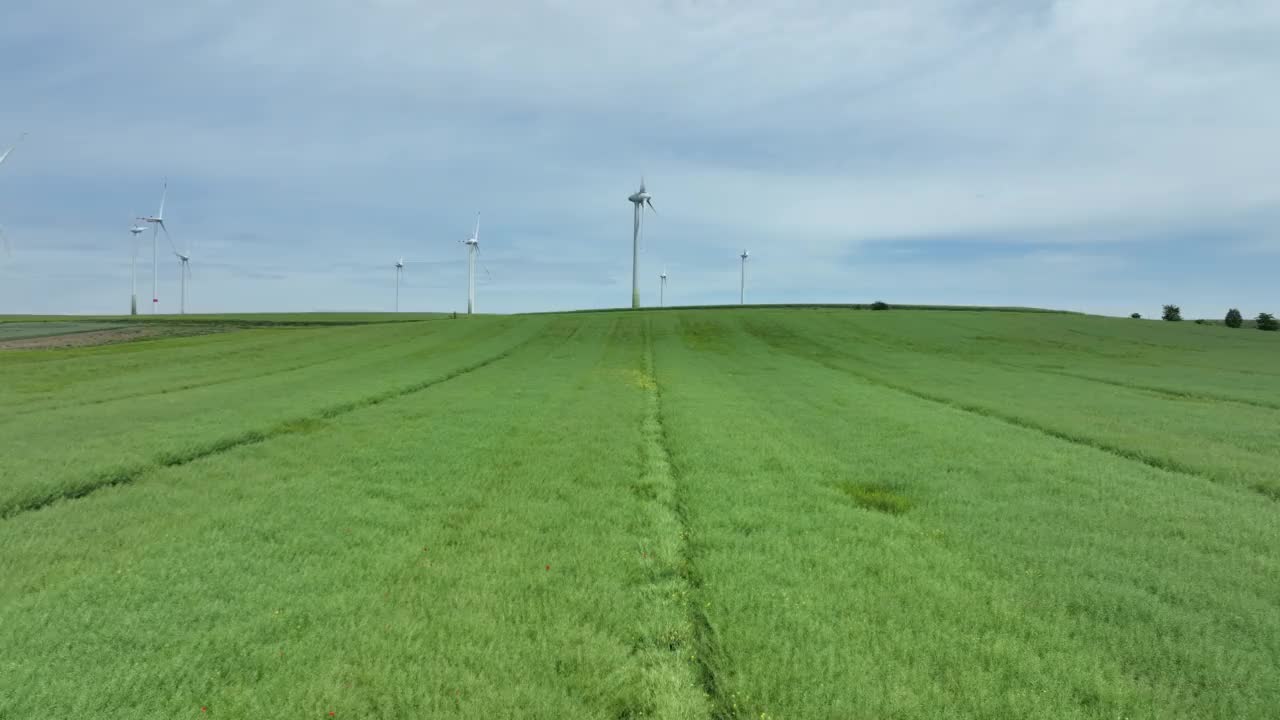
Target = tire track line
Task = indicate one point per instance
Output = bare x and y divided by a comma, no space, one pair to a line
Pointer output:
709,661
130,474
1158,463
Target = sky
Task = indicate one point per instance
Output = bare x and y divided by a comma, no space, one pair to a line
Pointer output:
1094,155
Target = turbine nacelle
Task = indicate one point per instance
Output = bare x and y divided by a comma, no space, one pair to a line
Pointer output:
745,255
400,264
642,197
137,229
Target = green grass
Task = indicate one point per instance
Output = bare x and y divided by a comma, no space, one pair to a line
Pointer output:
739,513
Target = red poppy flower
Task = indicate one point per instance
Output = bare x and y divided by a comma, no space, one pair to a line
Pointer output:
204,709
548,567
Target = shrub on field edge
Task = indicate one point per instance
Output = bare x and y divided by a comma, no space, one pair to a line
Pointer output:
1172,313
1136,316
1233,318
1267,321
878,305
1200,321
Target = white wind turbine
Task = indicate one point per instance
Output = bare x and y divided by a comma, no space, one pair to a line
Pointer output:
662,288
473,249
4,157
157,224
639,199
136,230
742,279
399,271
184,271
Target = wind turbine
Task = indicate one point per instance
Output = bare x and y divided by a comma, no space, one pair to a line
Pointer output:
157,224
742,280
662,288
184,272
473,249
136,230
2,159
399,270
639,198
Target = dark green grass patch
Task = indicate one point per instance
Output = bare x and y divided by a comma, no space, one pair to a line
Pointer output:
880,497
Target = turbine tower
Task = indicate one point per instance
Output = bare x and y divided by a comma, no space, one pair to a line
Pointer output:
473,249
157,224
662,288
136,230
639,199
742,278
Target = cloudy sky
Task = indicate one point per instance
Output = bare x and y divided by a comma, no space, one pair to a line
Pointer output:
1092,155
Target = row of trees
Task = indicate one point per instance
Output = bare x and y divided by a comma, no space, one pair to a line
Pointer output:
1265,321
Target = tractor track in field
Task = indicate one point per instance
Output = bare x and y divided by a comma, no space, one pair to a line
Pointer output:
1166,392
709,661
127,475
789,347
887,342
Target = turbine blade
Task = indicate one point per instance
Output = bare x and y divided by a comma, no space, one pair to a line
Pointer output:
174,248
649,202
11,148
476,234
163,196
186,266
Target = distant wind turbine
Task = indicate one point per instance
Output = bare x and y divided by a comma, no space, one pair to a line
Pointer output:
157,224
742,278
136,230
662,288
399,270
639,199
4,157
473,249
184,272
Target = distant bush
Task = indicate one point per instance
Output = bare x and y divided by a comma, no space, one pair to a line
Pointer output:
878,305
1172,313
1136,316
1233,318
1201,321
1267,321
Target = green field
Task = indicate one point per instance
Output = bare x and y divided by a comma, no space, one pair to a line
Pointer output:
755,513
39,329
252,319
